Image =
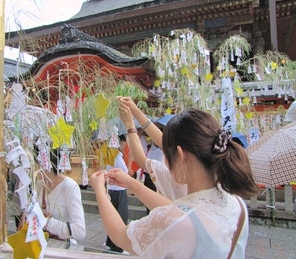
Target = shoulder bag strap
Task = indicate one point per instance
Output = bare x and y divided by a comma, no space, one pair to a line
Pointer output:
69,229
43,199
240,224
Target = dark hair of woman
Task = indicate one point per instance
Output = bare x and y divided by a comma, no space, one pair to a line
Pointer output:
54,159
199,133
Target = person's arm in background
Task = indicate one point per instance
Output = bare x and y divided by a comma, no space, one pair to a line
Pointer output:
152,131
129,164
133,138
148,197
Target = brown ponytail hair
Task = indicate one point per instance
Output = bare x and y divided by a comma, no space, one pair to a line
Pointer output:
199,132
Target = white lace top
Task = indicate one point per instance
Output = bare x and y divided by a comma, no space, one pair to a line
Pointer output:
200,225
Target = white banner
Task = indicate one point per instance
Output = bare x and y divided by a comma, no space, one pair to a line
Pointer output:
227,106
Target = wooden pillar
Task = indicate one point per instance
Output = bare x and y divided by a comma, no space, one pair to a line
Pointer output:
289,198
3,185
273,26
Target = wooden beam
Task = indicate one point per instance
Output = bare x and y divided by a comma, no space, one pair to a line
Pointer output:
273,25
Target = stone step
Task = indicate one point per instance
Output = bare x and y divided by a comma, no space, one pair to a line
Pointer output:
136,209
89,195
133,200
134,212
90,206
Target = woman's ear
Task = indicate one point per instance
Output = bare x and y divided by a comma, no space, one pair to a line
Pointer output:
181,153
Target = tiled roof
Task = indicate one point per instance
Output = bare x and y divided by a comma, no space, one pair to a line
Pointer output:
88,43
114,55
93,7
11,68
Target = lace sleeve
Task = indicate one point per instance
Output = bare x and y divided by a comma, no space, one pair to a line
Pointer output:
164,181
158,234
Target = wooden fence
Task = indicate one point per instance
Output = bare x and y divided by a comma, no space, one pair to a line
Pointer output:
274,205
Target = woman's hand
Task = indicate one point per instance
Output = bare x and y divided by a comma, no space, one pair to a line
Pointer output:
126,115
127,101
118,177
98,179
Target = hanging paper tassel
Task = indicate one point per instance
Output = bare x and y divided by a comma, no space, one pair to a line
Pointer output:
279,93
250,69
23,193
23,187
231,56
44,156
68,115
196,98
60,108
114,142
64,160
183,58
200,48
207,57
189,36
167,65
258,77
196,71
84,173
36,222
161,72
194,60
240,103
238,52
155,40
14,155
169,85
159,91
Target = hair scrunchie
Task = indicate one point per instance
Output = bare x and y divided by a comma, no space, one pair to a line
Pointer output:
222,140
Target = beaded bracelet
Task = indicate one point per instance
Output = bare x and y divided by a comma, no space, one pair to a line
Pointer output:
146,124
132,130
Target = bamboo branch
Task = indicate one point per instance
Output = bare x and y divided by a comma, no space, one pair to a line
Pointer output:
3,185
